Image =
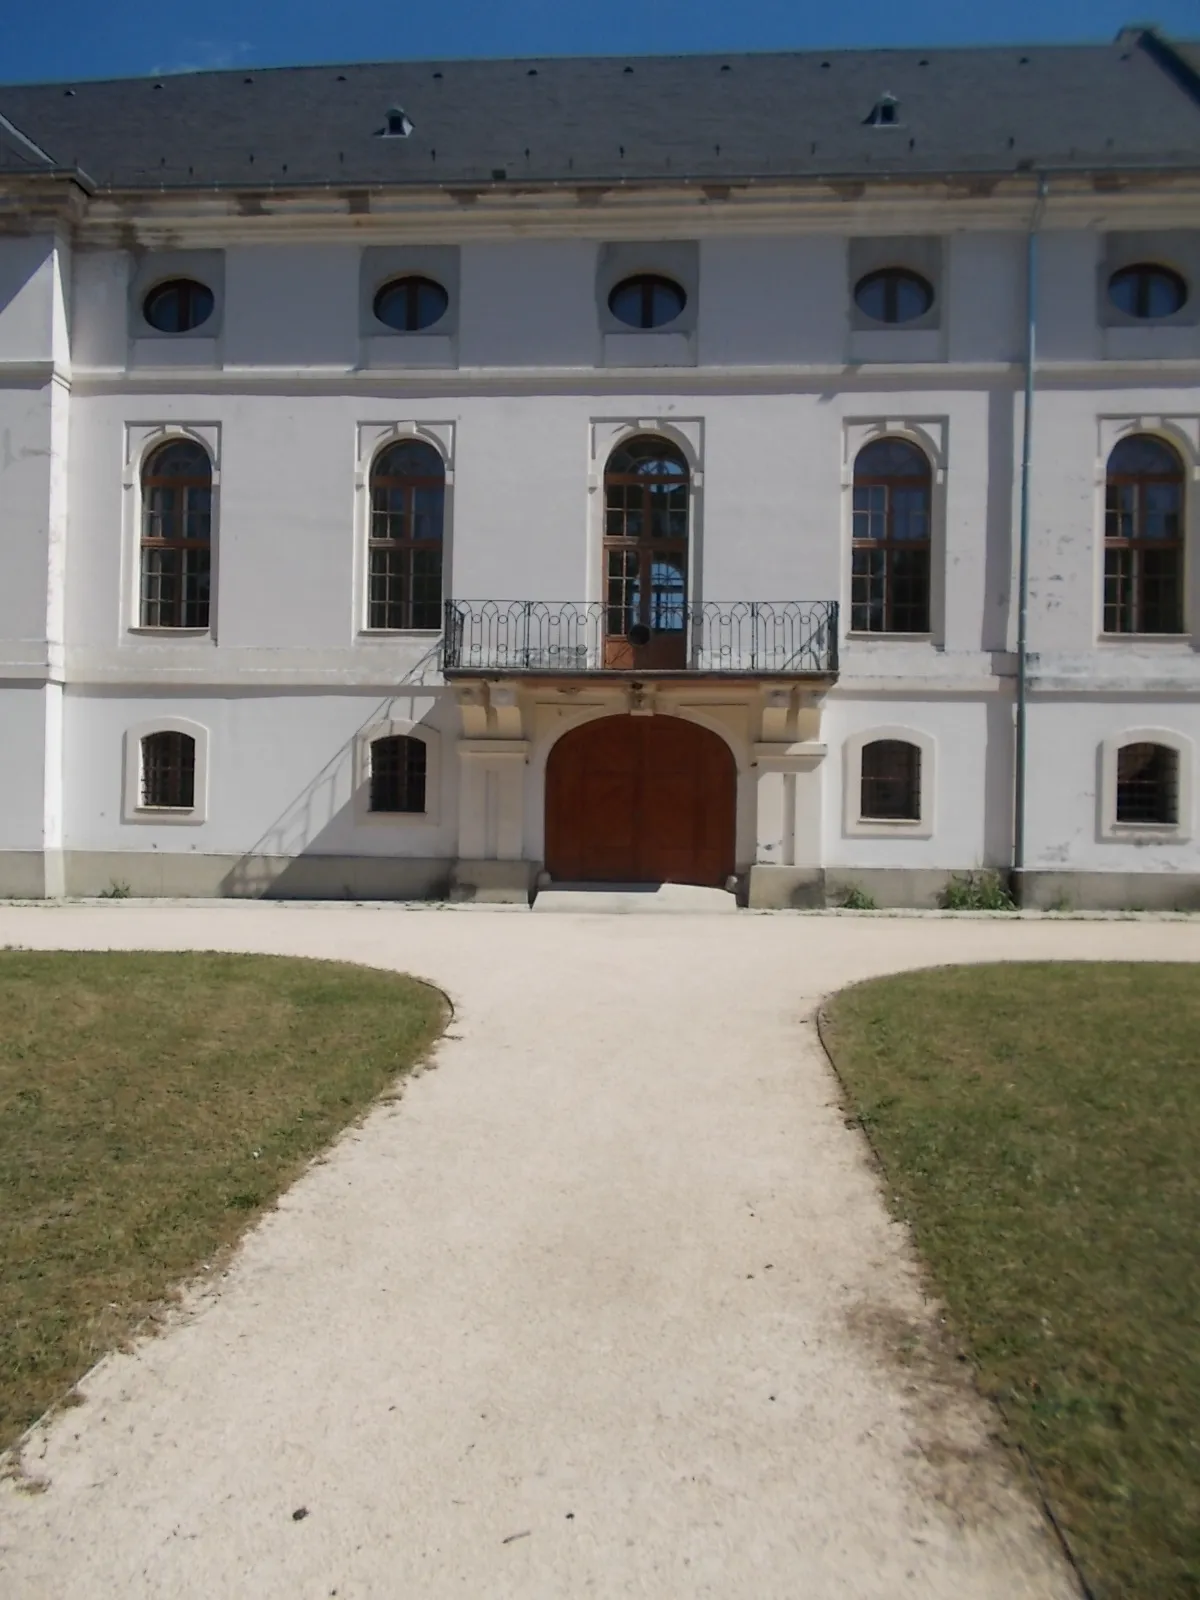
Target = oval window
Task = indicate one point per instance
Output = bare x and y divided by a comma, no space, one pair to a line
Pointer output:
647,301
178,306
893,295
410,305
1147,291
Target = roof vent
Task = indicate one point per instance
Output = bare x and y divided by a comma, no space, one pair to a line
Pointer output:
398,125
885,113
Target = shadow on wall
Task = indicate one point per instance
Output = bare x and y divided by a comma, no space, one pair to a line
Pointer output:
998,783
303,854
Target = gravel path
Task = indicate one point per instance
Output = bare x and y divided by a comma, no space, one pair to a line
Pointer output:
606,1305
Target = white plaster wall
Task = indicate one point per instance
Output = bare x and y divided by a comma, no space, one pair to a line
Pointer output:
772,523
1065,736
1067,262
30,461
985,297
23,727
280,774
972,784
31,298
529,303
769,301
100,308
1067,508
289,307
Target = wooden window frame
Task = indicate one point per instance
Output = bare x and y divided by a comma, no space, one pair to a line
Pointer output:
639,553
192,555
392,560
889,546
1124,556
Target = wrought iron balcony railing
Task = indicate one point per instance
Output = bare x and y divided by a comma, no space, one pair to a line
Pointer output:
751,637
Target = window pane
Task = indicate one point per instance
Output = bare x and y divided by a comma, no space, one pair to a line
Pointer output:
910,514
1147,784
891,781
398,769
668,583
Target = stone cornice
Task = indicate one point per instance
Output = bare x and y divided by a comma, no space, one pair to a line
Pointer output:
457,215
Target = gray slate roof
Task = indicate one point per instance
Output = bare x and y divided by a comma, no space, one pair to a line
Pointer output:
1134,103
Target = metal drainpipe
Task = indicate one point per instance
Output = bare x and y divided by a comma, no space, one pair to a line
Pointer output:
1018,862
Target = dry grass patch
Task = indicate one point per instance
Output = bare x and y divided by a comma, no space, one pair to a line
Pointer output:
151,1106
1039,1127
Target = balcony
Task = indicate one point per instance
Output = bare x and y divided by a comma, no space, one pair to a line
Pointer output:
575,639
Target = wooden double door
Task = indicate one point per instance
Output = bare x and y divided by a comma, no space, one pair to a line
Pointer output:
641,800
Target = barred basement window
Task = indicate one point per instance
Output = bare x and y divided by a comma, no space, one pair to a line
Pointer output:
891,782
404,558
398,767
176,559
168,772
1148,784
889,585
1143,538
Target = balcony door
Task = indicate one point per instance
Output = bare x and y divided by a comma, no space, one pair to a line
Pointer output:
646,495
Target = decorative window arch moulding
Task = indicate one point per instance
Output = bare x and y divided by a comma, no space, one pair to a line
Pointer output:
854,825
1108,828
132,809
387,729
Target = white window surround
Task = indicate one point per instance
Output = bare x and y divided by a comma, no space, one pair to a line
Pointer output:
132,809
431,739
1129,832
931,436
605,434
856,826
372,438
1182,432
141,440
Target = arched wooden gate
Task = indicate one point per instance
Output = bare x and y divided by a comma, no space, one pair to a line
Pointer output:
641,800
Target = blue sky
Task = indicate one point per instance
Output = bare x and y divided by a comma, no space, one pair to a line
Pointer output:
115,38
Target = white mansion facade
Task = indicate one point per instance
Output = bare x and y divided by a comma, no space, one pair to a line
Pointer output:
413,530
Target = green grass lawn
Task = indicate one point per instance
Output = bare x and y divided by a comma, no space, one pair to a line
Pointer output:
1039,1128
150,1107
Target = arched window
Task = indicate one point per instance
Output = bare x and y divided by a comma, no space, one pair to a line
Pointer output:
1143,538
889,589
176,536
398,768
168,777
1148,784
891,782
645,553
404,561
